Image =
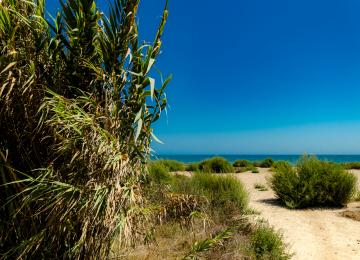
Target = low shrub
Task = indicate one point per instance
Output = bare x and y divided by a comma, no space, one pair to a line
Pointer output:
158,173
172,165
216,165
221,191
192,167
256,164
313,183
260,187
267,244
242,163
351,165
280,165
356,196
266,163
255,170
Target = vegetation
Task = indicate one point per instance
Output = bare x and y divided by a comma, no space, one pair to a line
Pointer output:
209,243
242,163
223,192
313,183
267,244
256,164
172,165
192,167
77,105
78,100
245,169
255,170
204,216
266,163
351,165
279,165
260,187
356,196
158,173
352,214
216,165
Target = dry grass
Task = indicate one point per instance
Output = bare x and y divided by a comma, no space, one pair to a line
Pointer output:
352,214
260,187
356,196
193,230
77,108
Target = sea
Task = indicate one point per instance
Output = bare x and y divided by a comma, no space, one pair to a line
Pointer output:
189,158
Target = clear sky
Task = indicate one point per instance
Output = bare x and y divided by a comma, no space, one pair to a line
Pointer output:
258,76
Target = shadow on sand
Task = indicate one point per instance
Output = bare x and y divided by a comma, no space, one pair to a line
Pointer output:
272,202
278,203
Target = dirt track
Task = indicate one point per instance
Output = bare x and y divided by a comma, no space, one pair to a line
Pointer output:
311,234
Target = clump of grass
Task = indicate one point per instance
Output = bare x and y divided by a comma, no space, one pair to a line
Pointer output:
192,167
216,165
172,165
223,192
256,164
313,183
158,173
279,165
267,244
356,196
260,187
242,163
255,170
209,205
266,163
209,243
351,165
260,242
352,214
244,169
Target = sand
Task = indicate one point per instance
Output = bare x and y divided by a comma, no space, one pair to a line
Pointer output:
312,233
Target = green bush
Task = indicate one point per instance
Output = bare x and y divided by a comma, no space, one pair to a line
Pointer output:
313,183
242,163
256,164
158,173
260,187
192,167
356,196
266,163
267,244
255,170
280,165
221,191
172,165
216,165
351,165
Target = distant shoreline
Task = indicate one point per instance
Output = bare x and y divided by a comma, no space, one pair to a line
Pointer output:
189,158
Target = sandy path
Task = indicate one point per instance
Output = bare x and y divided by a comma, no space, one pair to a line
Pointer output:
311,234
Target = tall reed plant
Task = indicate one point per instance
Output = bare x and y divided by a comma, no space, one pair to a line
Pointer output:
77,103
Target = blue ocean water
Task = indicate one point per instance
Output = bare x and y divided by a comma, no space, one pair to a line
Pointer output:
187,158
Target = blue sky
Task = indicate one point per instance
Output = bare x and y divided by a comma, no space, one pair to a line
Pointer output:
257,76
